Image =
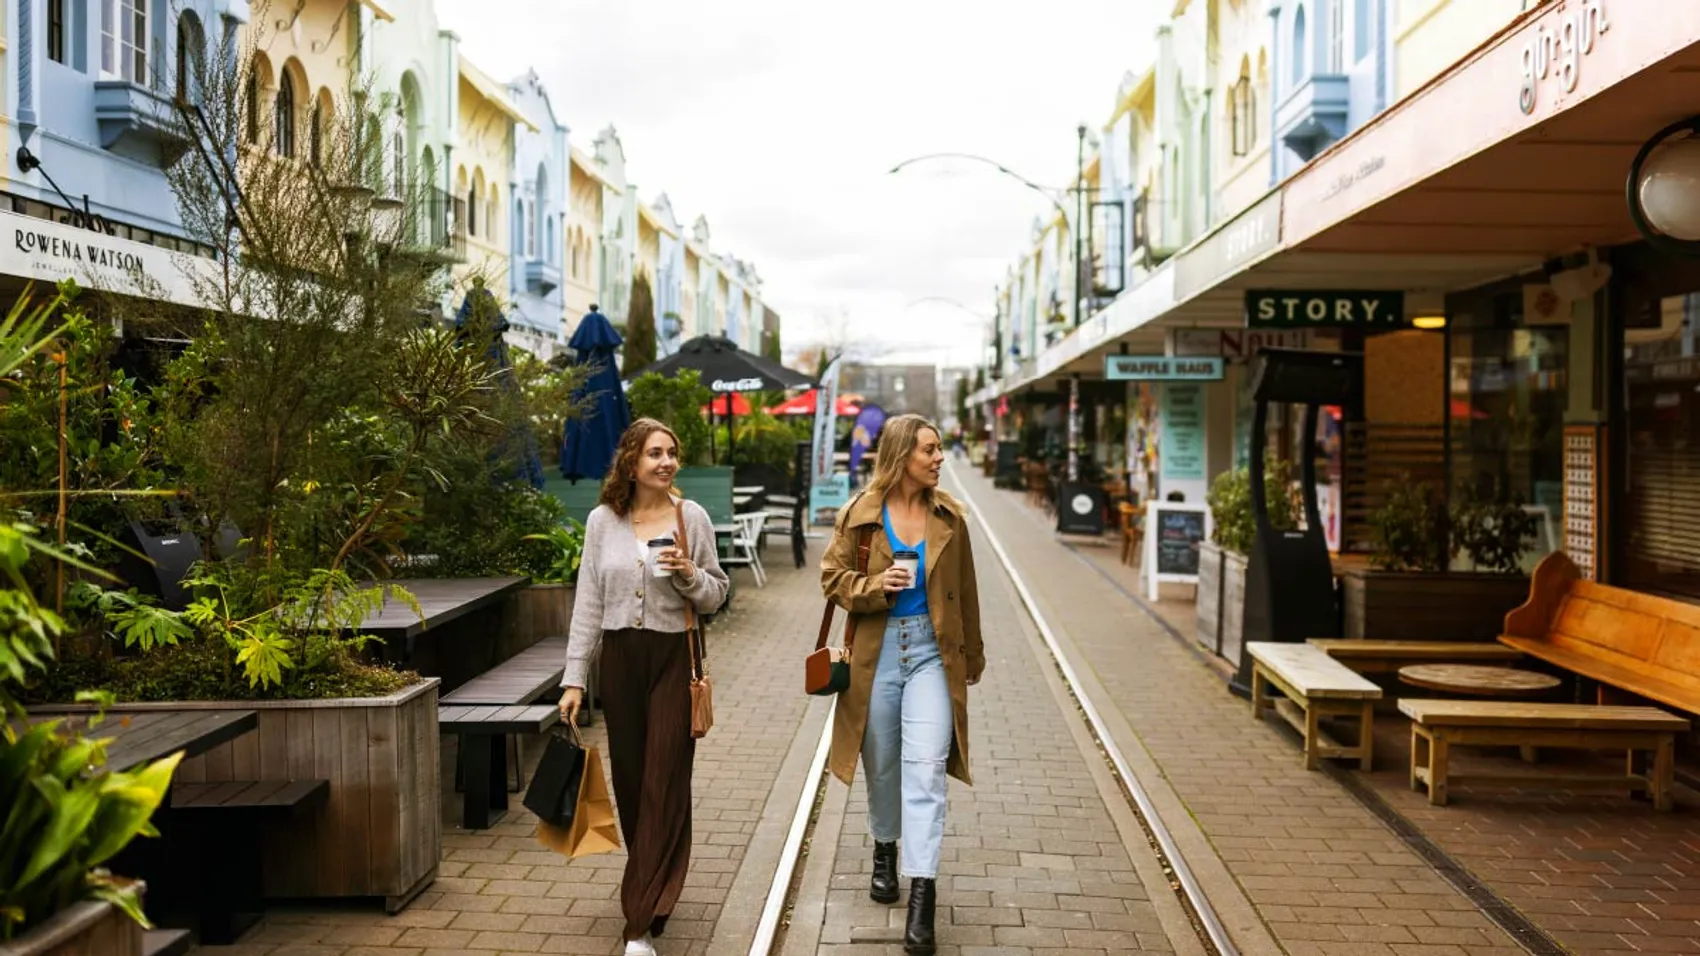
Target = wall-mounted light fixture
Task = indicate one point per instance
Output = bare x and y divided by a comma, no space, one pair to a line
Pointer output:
1663,190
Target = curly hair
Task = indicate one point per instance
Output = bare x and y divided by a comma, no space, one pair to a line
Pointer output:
620,485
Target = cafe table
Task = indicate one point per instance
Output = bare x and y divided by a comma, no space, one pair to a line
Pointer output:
442,600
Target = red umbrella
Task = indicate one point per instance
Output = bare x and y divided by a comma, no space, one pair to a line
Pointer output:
740,404
805,403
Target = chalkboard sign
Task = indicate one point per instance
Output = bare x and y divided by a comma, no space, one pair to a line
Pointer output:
1178,537
1173,532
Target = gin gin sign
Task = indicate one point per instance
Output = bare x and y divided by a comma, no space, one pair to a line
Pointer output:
1290,309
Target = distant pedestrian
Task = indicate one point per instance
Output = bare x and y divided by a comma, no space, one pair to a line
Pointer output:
916,651
636,613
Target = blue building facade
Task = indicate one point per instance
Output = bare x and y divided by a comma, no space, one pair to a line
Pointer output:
1331,72
90,99
538,222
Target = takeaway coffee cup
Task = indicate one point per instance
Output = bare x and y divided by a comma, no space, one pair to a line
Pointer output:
656,546
908,561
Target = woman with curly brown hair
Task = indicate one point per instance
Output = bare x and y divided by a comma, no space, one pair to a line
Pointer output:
633,607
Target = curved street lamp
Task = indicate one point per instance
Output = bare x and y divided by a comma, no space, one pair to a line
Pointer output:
1049,194
1663,189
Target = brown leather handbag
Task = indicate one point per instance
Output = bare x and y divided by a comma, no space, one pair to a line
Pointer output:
702,688
826,671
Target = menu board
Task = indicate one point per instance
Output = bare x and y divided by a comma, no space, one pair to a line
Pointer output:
1582,496
1174,531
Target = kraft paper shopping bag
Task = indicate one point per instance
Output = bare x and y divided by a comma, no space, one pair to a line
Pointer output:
594,828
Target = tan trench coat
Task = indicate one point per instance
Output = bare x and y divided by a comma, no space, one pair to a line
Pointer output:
953,599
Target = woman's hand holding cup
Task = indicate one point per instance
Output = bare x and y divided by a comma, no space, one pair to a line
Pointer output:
894,579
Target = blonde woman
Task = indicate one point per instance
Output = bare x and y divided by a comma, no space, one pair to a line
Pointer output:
917,650
637,617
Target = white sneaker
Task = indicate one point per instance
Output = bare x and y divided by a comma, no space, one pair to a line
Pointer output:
640,947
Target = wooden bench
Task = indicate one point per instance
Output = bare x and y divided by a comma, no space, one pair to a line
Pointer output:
1386,657
481,729
1438,724
1316,686
219,824
1645,645
524,678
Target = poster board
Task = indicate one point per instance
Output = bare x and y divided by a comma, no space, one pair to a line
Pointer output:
1173,532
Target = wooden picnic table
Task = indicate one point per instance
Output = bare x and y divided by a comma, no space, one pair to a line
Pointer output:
442,599
141,737
1477,680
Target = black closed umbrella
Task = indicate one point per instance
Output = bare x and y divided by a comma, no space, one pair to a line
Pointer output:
727,369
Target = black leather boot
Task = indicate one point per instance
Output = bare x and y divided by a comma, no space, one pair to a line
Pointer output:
923,901
883,888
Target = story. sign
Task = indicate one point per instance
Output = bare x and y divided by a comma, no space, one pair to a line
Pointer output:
1341,309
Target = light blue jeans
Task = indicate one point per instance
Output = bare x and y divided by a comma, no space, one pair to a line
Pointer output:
906,746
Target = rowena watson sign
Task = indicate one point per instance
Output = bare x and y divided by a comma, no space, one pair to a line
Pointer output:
1293,309
48,251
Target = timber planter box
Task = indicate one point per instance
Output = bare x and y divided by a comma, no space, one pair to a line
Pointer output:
89,928
537,612
1429,606
1221,600
380,832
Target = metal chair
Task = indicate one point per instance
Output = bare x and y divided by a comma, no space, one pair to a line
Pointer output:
745,545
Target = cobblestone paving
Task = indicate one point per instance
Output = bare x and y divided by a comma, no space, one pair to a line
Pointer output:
1324,876
499,891
1032,861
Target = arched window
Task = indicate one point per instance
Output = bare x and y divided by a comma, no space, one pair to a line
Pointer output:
1301,42
251,106
472,210
319,131
492,212
191,46
398,150
283,116
1242,103
124,41
519,216
549,239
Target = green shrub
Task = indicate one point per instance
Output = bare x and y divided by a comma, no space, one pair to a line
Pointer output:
1492,529
1407,527
676,402
1234,528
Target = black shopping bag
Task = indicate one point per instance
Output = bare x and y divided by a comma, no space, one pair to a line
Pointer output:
554,790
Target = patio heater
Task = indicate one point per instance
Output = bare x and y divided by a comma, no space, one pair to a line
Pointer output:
1080,506
1289,580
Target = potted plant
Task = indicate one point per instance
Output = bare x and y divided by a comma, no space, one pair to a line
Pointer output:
67,813
1411,592
1223,559
546,607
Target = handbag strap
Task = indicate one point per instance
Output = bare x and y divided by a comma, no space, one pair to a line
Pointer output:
693,626
864,540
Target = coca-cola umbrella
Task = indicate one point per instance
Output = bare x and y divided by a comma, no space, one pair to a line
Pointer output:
727,370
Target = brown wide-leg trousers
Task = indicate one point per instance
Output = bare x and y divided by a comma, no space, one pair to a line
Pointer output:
646,698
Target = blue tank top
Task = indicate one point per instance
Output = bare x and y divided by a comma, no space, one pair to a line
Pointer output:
911,602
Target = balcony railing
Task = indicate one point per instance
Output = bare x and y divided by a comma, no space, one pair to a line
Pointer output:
434,225
1314,114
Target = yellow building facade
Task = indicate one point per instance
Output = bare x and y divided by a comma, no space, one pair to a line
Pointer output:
483,176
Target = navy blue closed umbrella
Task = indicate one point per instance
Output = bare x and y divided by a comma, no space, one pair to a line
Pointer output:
522,443
588,441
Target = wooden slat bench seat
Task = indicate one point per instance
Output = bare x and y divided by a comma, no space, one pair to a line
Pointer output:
1648,646
482,729
1386,657
220,852
521,679
1436,725
1316,686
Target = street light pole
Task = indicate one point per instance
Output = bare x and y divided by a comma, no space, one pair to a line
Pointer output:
1079,224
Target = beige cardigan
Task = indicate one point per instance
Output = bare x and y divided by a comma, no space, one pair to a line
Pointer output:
616,592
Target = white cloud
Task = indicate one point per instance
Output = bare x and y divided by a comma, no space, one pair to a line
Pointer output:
778,119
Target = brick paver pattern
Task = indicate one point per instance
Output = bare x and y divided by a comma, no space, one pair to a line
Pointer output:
1325,875
499,891
1032,863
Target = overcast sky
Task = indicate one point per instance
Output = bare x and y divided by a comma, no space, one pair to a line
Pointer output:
778,120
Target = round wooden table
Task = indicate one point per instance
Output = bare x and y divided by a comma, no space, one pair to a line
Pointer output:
1477,680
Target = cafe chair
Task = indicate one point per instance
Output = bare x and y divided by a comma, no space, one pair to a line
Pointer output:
1132,533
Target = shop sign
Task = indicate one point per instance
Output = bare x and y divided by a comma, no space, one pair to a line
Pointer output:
1181,454
1290,309
1236,345
1224,252
1557,50
1162,368
48,251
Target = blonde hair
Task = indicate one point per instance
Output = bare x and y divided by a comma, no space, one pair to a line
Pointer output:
897,441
